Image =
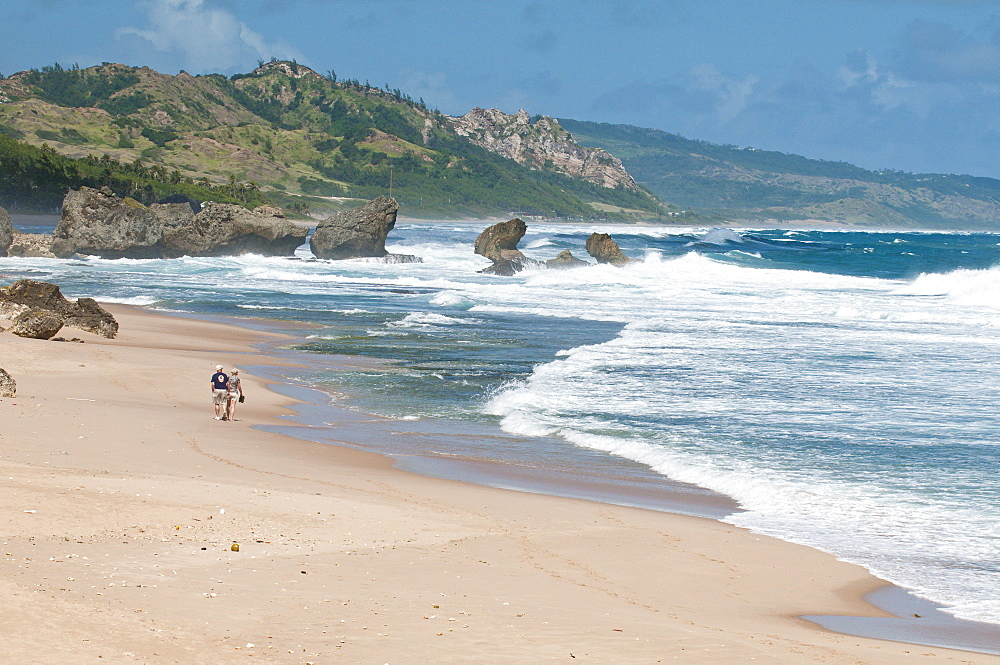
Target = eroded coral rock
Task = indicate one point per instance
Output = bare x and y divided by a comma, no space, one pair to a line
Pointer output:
97,222
606,250
85,314
355,233
37,324
6,232
565,259
499,243
8,387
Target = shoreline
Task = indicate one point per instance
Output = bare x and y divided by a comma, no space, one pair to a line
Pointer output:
653,492
124,498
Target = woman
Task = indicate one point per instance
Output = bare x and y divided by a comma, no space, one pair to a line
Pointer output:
235,393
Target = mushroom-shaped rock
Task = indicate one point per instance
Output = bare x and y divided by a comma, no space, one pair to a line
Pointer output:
37,324
500,238
8,387
6,232
565,259
606,250
357,232
85,313
499,242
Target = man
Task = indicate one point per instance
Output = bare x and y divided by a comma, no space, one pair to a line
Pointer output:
220,391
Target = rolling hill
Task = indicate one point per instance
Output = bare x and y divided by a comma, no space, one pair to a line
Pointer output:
290,133
727,182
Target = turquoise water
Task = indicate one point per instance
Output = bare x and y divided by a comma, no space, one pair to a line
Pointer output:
841,386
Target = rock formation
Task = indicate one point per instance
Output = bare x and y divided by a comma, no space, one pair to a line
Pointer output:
358,232
565,259
6,232
37,324
8,387
223,229
31,245
542,144
85,313
606,250
99,223
499,242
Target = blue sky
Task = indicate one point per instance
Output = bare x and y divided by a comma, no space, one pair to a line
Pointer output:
904,84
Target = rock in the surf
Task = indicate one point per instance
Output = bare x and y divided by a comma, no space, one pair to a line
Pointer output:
38,245
225,229
565,259
357,232
606,250
96,222
99,223
84,314
6,232
498,243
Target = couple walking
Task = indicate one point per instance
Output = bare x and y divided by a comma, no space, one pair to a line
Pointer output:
226,392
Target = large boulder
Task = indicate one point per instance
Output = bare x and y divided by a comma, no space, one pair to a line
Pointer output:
6,232
99,223
84,314
358,232
8,387
606,250
223,229
37,324
499,243
565,259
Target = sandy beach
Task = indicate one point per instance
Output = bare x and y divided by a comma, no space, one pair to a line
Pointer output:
122,499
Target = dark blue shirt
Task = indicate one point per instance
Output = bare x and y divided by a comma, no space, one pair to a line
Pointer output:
220,381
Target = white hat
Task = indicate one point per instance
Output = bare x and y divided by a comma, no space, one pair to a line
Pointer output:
218,367
235,371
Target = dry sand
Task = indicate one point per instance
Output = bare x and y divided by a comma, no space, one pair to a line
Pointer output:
121,499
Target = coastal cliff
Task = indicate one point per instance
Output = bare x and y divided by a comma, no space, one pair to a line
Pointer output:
542,144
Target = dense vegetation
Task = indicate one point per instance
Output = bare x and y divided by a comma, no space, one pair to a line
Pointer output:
291,130
82,88
36,179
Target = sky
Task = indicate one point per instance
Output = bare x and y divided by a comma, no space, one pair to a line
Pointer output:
911,85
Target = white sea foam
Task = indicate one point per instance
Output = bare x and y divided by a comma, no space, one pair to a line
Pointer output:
429,320
702,340
138,301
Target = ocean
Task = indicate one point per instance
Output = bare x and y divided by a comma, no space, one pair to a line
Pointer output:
840,386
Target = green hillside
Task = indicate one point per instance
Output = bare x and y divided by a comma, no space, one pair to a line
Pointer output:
746,183
300,138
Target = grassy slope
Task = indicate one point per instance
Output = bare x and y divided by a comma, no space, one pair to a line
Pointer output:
292,132
758,184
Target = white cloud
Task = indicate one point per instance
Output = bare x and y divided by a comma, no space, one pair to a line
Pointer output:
207,38
730,95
